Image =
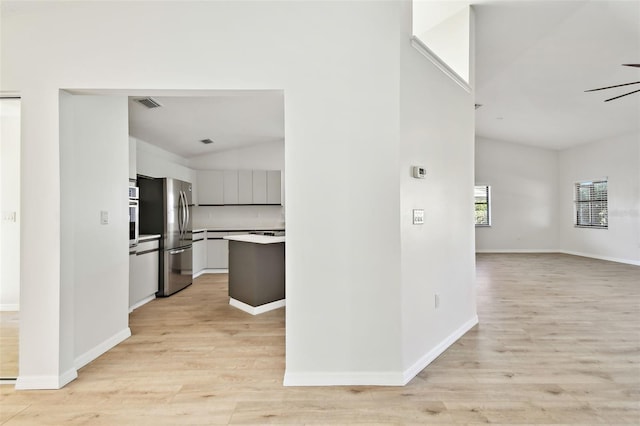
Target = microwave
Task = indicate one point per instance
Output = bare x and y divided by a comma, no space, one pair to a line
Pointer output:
133,192
134,216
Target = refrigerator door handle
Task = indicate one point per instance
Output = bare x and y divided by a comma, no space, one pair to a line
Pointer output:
185,214
180,215
186,210
176,251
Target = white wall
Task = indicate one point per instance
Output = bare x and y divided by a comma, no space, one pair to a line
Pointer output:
337,63
238,217
265,156
524,191
157,162
153,161
436,131
617,159
133,157
532,196
449,37
10,204
95,144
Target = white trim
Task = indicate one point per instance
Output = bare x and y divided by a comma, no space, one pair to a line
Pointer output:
142,302
347,378
376,378
256,310
7,381
9,307
518,251
569,252
608,258
213,271
103,347
428,358
442,66
46,382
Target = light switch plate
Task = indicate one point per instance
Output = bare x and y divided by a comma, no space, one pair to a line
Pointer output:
418,216
104,217
8,216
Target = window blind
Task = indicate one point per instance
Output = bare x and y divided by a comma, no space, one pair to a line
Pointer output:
482,211
591,204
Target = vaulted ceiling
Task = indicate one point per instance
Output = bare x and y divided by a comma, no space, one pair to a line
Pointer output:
534,61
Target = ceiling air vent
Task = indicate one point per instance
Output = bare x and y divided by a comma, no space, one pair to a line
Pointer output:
149,102
206,141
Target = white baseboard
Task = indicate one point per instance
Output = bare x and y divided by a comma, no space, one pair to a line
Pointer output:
595,256
142,302
103,347
573,253
256,310
430,356
518,251
376,378
9,307
347,378
46,382
213,271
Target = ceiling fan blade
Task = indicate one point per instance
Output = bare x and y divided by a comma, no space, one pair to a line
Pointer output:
632,65
611,87
610,99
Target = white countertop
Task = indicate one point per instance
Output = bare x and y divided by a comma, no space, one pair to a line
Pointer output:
253,238
239,228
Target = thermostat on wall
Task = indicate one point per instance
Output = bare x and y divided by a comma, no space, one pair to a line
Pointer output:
419,172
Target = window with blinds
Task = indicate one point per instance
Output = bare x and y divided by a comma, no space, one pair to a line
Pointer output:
591,201
483,213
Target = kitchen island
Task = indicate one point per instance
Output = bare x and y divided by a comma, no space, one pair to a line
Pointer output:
256,272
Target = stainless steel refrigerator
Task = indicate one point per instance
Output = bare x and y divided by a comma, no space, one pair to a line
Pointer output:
165,209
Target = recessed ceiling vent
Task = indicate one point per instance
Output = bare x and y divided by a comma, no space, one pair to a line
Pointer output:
206,141
149,102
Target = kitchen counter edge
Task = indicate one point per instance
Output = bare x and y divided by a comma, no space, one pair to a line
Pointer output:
257,239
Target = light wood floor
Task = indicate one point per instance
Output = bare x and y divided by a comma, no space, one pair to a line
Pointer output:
558,343
9,323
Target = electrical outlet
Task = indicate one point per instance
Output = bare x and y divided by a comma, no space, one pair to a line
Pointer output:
104,217
436,301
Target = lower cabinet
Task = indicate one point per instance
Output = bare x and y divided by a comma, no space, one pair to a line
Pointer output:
217,250
143,273
199,256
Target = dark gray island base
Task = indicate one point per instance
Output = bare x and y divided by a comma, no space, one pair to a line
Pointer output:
256,273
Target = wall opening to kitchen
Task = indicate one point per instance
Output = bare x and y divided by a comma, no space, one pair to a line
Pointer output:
9,236
246,128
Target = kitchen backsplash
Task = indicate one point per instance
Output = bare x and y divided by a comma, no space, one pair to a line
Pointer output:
238,217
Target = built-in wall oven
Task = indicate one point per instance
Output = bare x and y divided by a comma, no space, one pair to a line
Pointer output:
134,216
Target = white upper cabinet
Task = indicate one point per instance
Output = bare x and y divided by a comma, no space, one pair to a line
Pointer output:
234,187
259,187
245,187
210,187
274,187
230,194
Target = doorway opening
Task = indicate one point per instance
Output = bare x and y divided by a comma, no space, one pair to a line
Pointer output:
9,236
